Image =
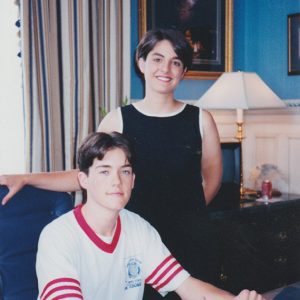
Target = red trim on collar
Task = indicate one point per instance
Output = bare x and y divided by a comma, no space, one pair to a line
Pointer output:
109,248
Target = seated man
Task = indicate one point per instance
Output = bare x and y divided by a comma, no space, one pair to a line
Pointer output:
101,250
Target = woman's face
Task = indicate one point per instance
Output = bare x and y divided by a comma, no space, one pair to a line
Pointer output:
162,69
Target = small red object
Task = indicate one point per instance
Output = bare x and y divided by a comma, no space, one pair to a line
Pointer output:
266,188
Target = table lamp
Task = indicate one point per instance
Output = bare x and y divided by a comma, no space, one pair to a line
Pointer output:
239,91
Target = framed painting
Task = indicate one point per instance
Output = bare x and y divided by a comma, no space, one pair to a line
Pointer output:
207,25
294,44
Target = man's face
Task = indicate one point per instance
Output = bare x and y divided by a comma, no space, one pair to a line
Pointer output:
109,182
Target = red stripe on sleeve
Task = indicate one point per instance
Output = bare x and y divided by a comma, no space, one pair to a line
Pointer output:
61,288
169,279
158,268
68,296
173,264
58,281
53,287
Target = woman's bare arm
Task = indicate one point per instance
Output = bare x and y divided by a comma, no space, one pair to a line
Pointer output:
65,181
211,163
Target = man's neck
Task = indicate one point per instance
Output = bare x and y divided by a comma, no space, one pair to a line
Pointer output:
103,222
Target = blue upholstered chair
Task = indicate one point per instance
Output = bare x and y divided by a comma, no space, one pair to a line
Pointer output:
21,221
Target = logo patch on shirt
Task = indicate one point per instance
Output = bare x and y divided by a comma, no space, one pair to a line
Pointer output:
133,267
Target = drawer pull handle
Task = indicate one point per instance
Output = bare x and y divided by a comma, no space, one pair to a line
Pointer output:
282,235
280,260
223,277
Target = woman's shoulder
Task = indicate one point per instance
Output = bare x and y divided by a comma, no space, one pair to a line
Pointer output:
111,122
192,107
207,117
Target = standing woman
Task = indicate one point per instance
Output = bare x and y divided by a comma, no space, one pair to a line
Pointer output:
177,144
179,164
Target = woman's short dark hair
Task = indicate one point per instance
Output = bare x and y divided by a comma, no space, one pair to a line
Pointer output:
96,145
180,45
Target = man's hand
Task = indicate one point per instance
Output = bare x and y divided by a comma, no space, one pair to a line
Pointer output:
249,295
14,183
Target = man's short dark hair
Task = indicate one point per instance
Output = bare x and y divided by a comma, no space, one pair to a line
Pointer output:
96,145
180,44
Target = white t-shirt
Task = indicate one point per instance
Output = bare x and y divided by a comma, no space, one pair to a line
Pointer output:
74,262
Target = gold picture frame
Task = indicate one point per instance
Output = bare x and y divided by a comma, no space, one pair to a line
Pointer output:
218,57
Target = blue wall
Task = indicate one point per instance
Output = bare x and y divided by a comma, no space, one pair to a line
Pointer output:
260,45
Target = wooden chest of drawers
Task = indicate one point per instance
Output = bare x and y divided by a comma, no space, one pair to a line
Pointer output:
259,245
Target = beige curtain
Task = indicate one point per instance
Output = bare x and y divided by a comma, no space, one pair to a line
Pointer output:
72,71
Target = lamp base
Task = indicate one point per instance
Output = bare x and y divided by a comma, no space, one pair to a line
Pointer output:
246,194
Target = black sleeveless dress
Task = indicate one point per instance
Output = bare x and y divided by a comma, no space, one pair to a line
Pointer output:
168,188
